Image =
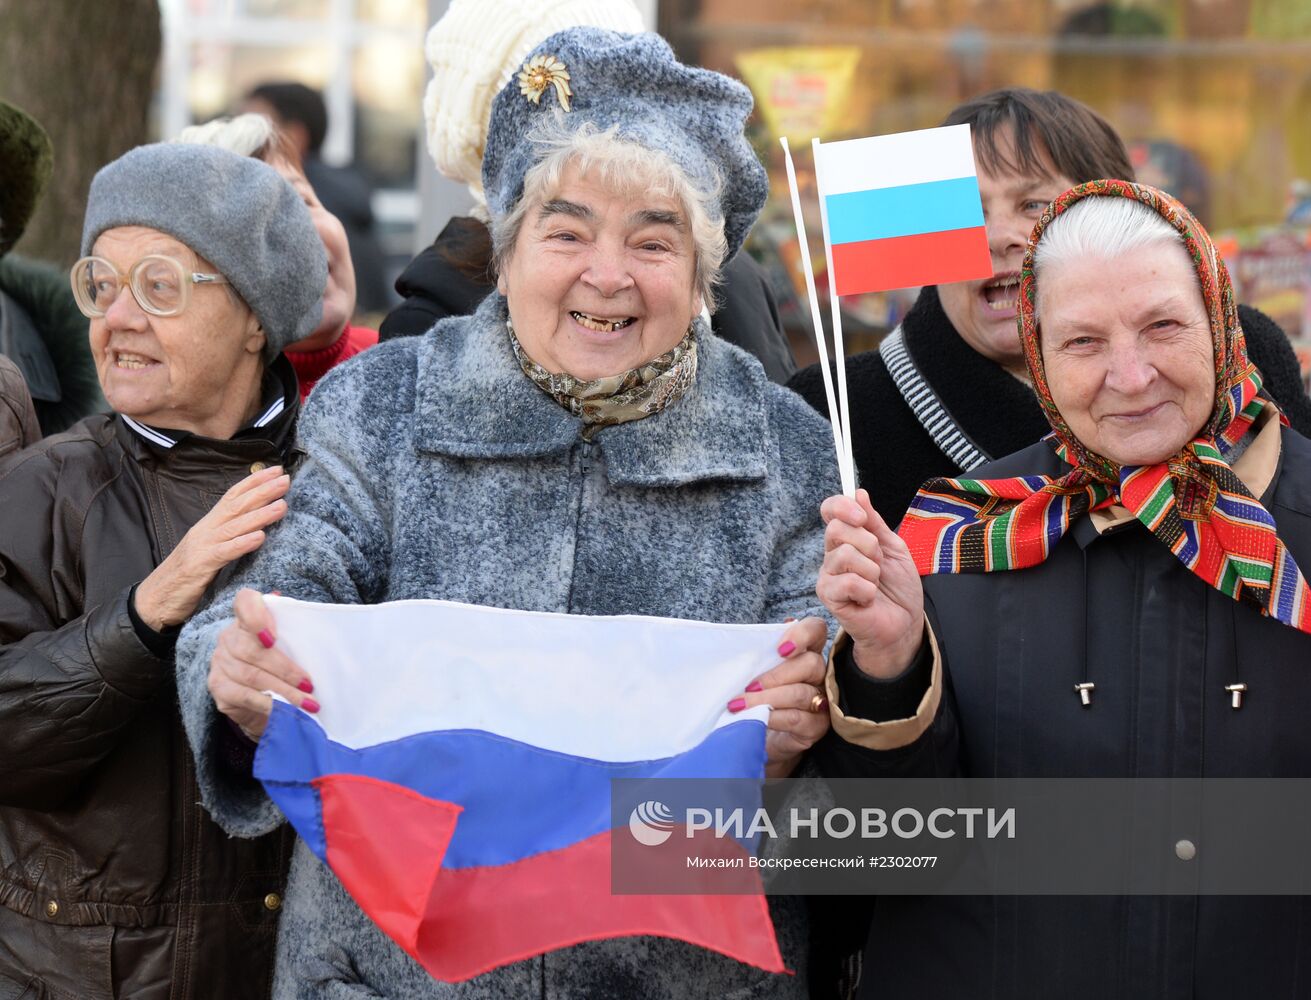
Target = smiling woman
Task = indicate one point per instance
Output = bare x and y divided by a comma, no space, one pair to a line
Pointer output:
1101,603
155,351
608,255
597,281
580,444
1126,343
199,267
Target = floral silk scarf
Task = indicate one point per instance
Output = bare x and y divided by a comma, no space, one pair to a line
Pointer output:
1194,503
616,399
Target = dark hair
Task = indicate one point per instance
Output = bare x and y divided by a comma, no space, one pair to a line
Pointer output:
1080,143
466,244
295,102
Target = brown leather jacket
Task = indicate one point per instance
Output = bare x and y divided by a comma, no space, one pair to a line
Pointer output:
18,426
114,882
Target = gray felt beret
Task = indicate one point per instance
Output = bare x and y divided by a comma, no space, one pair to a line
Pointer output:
695,116
234,211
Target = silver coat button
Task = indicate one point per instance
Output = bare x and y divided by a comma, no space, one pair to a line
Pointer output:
1185,850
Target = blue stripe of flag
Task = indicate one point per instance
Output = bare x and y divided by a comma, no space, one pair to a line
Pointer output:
520,800
905,210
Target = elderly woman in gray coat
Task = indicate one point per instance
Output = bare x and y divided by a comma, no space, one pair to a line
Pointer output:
581,444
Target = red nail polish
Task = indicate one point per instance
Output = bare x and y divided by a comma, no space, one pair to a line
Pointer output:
275,593
787,649
755,686
306,686
265,638
737,704
309,704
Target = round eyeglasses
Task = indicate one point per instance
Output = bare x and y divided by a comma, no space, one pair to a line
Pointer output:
161,285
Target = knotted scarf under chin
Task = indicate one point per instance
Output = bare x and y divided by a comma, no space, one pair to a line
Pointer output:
616,399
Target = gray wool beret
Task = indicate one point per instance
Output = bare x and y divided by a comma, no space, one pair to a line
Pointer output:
693,115
236,212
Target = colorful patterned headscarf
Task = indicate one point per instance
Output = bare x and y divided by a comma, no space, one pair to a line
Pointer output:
1193,502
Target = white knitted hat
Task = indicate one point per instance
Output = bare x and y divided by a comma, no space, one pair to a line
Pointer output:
474,50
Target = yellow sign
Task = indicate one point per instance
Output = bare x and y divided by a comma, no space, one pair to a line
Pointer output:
802,91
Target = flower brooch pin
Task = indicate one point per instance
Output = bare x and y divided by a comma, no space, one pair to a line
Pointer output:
541,72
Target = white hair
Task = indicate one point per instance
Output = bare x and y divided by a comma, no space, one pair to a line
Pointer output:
624,166
246,135
1104,228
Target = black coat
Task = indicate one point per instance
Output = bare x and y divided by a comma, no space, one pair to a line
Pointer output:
1121,611
894,454
434,288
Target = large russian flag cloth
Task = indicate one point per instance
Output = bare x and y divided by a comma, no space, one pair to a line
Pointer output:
457,778
903,210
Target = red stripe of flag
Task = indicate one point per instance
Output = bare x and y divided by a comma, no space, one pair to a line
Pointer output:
910,261
459,923
482,918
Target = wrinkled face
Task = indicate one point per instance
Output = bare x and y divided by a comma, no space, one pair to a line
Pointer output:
199,371
600,282
339,295
1126,344
983,312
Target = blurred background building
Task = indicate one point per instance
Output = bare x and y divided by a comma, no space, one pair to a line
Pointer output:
1214,97
364,56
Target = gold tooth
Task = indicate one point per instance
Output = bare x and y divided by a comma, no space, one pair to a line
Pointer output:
595,324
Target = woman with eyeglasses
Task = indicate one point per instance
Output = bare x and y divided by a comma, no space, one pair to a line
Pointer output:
200,266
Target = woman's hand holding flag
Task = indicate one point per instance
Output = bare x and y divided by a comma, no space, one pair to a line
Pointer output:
869,582
795,691
247,665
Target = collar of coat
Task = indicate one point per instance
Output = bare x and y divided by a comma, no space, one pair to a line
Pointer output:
269,436
474,401
998,411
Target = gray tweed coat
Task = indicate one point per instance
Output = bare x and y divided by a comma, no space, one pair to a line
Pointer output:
437,469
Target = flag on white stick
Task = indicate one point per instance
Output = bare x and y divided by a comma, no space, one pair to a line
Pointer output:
839,346
845,466
898,211
903,210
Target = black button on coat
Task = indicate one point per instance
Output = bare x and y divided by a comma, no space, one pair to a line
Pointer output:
1161,645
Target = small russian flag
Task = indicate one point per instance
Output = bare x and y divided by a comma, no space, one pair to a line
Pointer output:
903,210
